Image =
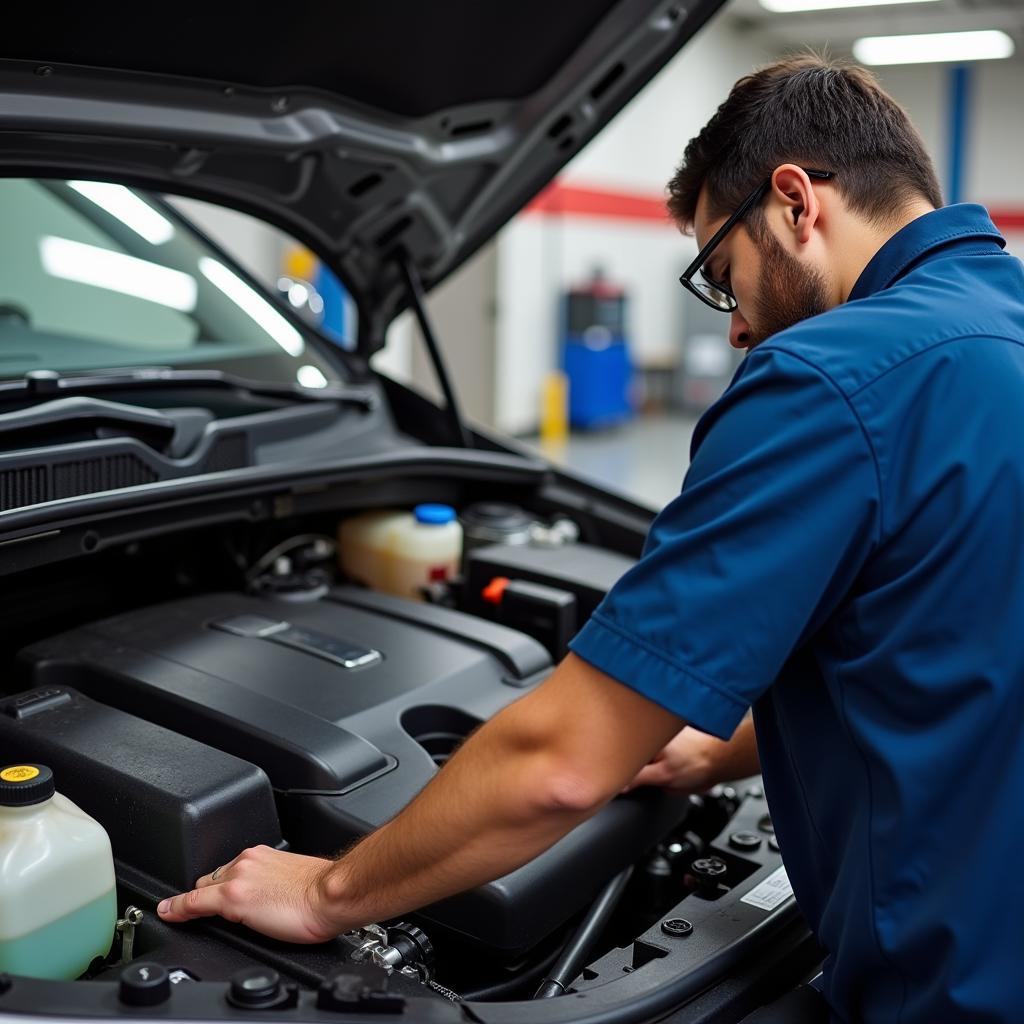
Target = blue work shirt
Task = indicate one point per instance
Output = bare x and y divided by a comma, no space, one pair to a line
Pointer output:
847,556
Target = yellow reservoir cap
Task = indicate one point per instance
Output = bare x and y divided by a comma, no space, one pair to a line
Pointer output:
19,773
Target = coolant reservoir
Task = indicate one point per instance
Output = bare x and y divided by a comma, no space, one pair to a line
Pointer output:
364,547
401,552
58,907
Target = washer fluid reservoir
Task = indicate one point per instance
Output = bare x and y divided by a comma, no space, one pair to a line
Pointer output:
58,907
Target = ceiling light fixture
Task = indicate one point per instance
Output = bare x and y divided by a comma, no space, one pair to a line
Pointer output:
934,47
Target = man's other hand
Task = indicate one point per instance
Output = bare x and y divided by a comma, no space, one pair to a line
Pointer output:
692,761
683,764
278,894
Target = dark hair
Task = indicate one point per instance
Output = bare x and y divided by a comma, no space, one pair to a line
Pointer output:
815,112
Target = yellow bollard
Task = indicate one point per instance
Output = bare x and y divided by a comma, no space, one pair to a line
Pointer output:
300,263
554,412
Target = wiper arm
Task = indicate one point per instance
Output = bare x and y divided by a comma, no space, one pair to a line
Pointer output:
49,384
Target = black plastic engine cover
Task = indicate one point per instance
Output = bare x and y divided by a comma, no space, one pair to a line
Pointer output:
173,808
348,705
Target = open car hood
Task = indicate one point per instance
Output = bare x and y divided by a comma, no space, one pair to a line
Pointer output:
365,129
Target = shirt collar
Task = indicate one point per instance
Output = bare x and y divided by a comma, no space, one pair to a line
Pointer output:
931,231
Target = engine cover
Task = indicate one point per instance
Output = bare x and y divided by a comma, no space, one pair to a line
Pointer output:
348,705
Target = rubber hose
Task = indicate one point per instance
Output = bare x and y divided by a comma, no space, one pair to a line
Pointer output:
571,962
496,990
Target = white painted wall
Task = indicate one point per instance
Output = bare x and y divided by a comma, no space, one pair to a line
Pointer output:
994,169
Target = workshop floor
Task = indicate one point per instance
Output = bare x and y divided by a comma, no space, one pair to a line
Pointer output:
645,459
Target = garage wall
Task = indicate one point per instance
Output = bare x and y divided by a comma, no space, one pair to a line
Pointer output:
994,140
541,255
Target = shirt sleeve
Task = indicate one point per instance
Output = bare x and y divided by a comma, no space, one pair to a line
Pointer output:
777,514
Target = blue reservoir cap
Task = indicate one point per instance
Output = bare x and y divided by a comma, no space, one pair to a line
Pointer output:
434,515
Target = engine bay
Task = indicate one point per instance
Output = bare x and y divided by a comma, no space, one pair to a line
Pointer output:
212,698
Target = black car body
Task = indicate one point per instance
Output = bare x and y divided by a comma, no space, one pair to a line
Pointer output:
195,697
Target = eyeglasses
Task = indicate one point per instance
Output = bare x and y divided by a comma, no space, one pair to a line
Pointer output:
714,293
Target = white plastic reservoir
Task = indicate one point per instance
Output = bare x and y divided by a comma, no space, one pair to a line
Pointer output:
401,552
58,907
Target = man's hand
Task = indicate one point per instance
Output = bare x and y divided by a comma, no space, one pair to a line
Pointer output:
692,761
278,894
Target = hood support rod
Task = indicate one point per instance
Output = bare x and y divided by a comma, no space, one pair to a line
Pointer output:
417,300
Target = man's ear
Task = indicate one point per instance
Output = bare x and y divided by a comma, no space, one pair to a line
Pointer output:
793,189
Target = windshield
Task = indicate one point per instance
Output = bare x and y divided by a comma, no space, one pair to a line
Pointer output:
96,275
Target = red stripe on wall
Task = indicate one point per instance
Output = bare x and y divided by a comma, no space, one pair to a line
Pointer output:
1007,219
580,201
598,202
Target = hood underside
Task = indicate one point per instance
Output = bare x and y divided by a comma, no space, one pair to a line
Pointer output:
366,130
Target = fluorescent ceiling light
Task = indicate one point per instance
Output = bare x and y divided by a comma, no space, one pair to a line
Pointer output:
947,47
254,304
789,6
128,208
311,377
104,268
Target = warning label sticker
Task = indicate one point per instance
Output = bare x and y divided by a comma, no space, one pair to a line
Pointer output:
771,892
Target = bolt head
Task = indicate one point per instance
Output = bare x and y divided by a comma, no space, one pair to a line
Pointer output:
744,840
255,988
677,926
709,867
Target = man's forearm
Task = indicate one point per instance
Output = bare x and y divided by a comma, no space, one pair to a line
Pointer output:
489,811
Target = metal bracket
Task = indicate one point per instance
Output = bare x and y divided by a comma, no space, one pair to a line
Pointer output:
125,927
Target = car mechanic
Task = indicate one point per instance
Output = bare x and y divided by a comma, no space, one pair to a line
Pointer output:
844,557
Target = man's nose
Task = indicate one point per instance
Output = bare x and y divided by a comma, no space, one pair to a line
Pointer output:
739,330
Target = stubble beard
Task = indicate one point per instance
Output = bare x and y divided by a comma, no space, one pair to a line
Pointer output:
788,293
